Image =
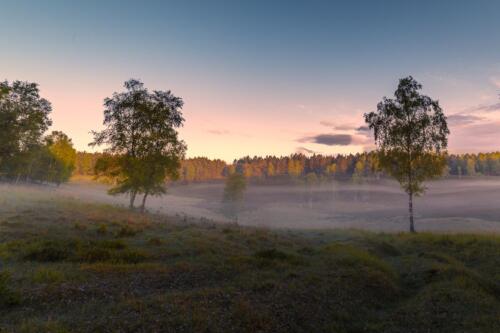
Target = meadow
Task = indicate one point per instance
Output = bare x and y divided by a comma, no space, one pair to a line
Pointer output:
70,265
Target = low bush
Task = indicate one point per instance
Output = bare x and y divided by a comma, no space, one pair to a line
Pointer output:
8,296
155,241
49,251
129,256
47,275
102,229
128,231
39,326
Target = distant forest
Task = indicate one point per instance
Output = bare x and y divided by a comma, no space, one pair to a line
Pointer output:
315,167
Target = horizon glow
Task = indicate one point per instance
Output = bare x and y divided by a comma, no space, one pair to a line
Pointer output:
261,77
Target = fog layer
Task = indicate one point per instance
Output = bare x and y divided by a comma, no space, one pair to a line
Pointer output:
449,205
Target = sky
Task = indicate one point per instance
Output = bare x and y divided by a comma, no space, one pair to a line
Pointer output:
261,77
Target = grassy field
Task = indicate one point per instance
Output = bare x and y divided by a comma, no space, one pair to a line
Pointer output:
68,266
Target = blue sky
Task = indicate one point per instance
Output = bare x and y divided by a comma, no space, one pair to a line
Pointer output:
261,77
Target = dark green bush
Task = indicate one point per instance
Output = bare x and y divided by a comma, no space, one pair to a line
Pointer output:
8,296
49,251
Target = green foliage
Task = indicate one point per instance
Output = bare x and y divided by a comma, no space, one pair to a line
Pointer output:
155,241
24,154
128,231
143,144
235,187
420,167
49,251
411,134
102,229
8,296
271,254
47,275
24,117
233,194
63,157
42,326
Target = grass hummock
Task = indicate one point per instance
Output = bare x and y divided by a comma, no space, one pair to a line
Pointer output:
68,266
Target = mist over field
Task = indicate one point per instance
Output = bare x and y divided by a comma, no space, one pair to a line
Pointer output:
450,205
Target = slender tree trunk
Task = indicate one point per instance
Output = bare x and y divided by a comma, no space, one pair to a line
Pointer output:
410,210
143,205
132,199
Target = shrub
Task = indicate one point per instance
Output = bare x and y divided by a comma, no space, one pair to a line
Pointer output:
129,257
102,229
155,241
117,244
103,267
37,326
94,254
8,297
47,275
271,254
79,226
127,231
49,251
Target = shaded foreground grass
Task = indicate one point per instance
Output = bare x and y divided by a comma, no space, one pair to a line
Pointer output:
67,266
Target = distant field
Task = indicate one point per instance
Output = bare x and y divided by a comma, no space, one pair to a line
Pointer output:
71,266
452,205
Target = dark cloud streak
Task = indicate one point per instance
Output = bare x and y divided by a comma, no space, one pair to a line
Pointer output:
329,139
304,150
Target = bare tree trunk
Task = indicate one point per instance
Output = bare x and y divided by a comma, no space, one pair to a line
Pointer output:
410,210
143,205
132,199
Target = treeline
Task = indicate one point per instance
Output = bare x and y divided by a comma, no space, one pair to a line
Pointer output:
342,167
26,154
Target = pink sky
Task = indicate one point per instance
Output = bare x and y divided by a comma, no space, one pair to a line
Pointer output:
229,123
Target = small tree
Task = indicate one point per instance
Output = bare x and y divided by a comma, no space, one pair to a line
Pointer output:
411,135
63,155
310,181
233,193
143,145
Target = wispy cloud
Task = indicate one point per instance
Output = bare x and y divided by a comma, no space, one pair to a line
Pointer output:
304,108
463,119
495,81
446,79
476,137
218,132
327,123
344,127
487,108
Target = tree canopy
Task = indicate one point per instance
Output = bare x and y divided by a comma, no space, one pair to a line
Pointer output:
411,133
233,193
141,140
24,118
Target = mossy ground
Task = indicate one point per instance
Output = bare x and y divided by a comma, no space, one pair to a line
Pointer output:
68,266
